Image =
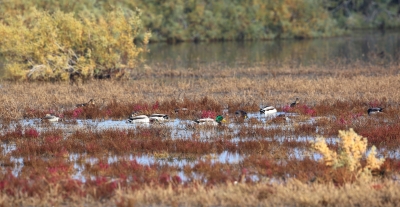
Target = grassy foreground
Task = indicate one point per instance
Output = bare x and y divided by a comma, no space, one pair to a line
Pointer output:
292,193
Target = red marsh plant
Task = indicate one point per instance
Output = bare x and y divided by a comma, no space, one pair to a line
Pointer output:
131,171
216,173
348,118
60,169
300,109
155,106
116,109
304,130
50,145
335,108
387,136
139,140
166,179
258,132
31,113
101,187
260,165
208,114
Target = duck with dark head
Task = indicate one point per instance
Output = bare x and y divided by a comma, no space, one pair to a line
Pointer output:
295,103
374,110
87,104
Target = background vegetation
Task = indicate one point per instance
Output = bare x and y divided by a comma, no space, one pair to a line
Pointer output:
176,20
58,40
54,46
362,14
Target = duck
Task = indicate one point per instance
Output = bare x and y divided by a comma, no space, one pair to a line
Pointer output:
138,118
158,117
241,114
177,110
268,110
375,110
89,103
209,121
51,118
295,103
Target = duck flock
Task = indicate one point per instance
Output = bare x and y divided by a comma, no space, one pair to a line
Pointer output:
136,117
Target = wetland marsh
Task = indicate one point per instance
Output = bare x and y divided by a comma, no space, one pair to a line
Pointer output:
94,157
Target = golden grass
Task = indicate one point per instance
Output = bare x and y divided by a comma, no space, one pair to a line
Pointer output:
292,193
289,193
257,85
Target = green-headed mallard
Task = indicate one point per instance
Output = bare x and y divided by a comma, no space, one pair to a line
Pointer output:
209,121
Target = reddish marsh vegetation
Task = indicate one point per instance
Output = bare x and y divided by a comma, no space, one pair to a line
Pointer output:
267,159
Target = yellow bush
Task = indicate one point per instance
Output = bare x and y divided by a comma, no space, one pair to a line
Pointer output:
44,46
352,149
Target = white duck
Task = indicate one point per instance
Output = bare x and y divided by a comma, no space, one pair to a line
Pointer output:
158,117
138,119
51,118
268,110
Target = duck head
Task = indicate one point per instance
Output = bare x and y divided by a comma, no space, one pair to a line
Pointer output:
91,102
220,119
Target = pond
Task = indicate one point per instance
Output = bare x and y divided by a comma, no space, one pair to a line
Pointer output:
360,46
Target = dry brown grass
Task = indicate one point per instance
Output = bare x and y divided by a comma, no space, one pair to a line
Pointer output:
241,87
290,193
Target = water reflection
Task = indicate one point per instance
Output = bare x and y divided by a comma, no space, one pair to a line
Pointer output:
361,46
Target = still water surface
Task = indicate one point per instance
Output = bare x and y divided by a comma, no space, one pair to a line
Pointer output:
361,46
358,47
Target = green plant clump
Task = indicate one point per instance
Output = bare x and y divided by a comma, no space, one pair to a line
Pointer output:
40,45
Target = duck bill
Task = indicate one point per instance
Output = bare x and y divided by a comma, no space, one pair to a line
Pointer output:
223,120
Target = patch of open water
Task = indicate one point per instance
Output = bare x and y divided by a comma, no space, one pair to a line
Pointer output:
179,130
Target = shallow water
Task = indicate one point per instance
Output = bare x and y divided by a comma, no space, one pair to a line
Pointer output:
179,130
